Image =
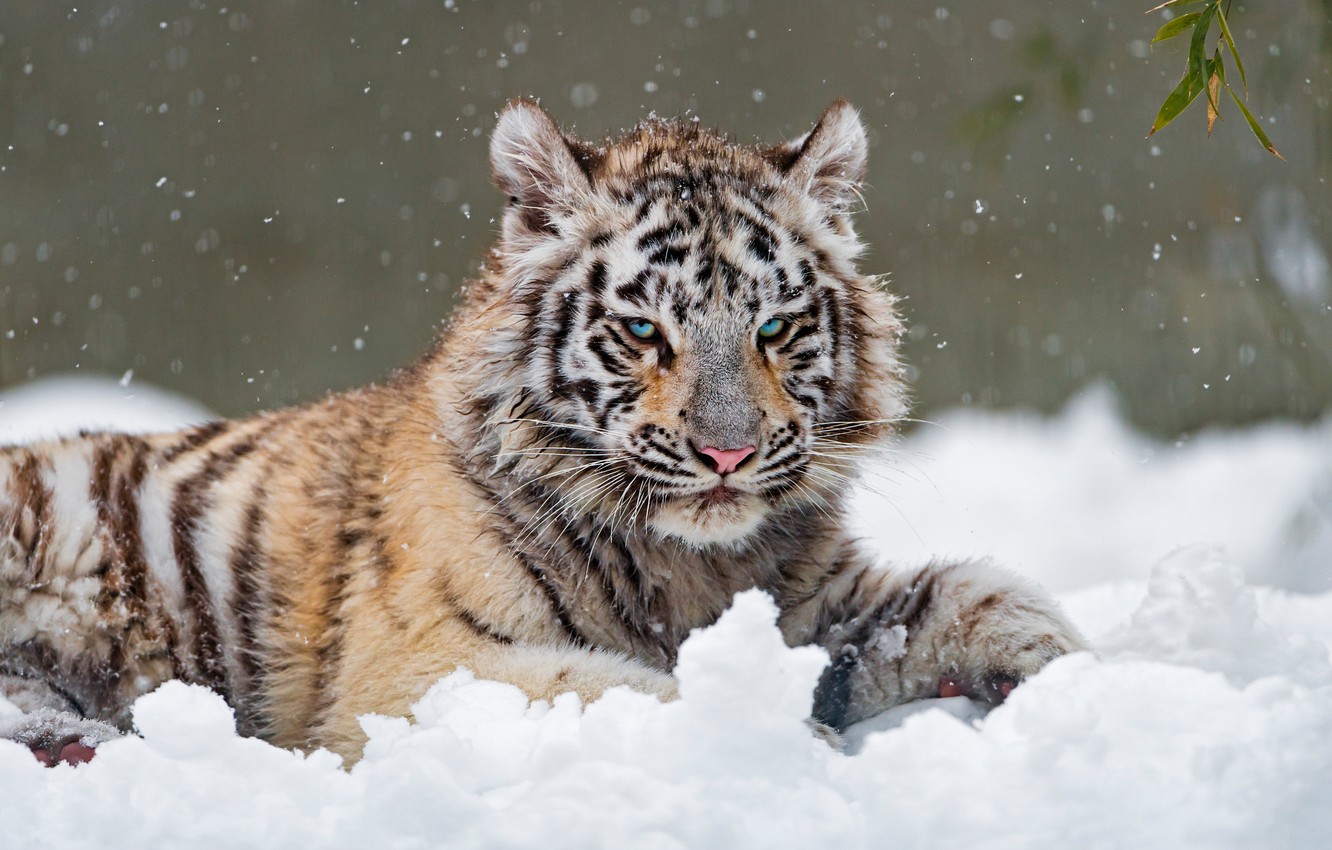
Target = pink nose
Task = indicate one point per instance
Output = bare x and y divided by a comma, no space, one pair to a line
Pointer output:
726,460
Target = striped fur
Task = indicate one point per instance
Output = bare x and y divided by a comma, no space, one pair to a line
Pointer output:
532,499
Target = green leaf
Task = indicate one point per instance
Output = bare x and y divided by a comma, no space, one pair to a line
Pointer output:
1230,43
1178,26
1254,125
1198,50
1177,100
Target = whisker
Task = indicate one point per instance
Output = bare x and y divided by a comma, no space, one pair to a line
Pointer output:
571,470
547,423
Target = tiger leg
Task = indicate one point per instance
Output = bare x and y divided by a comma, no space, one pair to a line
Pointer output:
540,671
49,722
944,630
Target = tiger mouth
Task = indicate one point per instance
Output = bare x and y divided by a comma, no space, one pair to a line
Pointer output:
719,496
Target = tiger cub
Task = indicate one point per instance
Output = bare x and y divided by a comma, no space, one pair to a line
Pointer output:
655,396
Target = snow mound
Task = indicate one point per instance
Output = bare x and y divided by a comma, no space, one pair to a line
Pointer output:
64,405
1202,720
1082,498
1199,613
1120,751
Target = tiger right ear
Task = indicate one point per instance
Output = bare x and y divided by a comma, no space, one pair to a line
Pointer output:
830,160
535,165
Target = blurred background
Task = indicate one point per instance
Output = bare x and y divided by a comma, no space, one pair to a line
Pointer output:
253,203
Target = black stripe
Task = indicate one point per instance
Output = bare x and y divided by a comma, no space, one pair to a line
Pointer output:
783,467
587,390
648,463
111,570
796,335
732,278
706,266
126,531
195,438
644,207
627,607
917,604
681,314
247,601
564,326
831,309
668,255
656,237
807,276
609,361
636,289
628,349
624,398
99,487
564,323
779,444
665,450
188,508
476,625
806,401
552,593
596,278
761,242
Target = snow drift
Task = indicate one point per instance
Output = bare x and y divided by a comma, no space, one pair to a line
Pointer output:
1204,720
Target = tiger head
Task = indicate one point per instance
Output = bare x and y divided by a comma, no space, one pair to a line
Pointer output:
693,332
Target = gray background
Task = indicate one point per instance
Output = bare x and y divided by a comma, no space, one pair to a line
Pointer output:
254,203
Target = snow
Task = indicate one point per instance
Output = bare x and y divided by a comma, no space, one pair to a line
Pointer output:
1204,719
62,406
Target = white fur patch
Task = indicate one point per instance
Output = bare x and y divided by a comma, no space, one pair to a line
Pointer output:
697,523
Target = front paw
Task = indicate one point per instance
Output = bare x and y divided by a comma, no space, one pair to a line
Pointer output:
987,632
965,630
57,737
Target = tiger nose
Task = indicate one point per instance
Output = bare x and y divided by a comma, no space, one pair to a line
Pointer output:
724,461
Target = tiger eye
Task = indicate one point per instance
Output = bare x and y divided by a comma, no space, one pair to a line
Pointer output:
642,329
772,328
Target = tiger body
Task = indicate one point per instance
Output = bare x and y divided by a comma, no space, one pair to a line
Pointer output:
600,451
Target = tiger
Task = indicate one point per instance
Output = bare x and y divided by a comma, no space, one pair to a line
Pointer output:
658,392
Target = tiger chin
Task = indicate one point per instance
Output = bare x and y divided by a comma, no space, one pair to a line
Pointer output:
720,516
656,395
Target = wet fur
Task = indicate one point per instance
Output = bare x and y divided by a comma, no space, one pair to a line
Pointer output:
527,500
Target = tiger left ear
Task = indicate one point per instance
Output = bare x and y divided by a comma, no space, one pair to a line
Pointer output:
830,160
536,165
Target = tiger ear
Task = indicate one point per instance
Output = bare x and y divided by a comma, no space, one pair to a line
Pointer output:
536,166
829,161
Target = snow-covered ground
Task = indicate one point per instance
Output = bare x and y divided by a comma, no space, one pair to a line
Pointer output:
1201,571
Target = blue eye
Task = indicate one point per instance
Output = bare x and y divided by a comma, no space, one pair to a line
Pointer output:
772,328
642,329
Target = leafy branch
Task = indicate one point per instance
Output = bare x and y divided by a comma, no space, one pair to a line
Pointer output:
1203,73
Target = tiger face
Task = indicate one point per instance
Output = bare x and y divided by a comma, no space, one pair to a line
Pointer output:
692,314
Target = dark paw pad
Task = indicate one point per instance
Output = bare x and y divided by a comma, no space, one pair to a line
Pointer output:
997,688
950,687
73,752
993,689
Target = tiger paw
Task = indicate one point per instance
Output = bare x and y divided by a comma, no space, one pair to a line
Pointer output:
967,630
59,737
989,632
